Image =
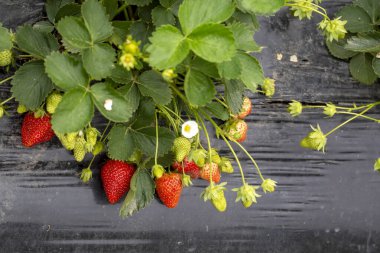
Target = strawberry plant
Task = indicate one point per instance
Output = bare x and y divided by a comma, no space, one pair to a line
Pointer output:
145,66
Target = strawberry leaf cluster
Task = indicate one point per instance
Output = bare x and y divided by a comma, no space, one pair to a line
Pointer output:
144,66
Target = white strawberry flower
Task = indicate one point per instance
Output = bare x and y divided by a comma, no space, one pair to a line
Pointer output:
190,129
108,104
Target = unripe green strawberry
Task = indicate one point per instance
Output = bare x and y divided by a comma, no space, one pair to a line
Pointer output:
80,149
247,203
226,166
198,156
5,58
215,156
21,109
219,201
91,137
181,148
67,140
98,148
53,101
158,171
86,175
1,112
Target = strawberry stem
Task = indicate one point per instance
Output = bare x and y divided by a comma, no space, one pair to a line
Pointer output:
7,100
156,151
6,79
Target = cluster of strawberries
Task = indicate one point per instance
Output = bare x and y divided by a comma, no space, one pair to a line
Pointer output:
192,161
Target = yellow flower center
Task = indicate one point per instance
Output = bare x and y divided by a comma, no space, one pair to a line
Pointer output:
187,128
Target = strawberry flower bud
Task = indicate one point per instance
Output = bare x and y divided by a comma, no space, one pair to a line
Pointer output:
247,194
268,185
295,108
376,166
128,61
190,129
269,87
131,46
21,109
329,110
333,29
86,175
315,140
169,75
302,9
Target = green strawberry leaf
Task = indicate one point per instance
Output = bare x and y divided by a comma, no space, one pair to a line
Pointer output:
53,6
120,143
199,88
218,110
145,140
230,69
165,160
138,2
68,10
121,108
193,13
34,42
121,75
252,73
233,93
131,94
65,71
141,31
151,84
144,116
168,3
74,33
169,47
248,19
207,68
357,19
111,7
336,48
30,84
361,68
120,31
44,26
5,39
244,37
96,21
372,7
74,112
364,43
99,60
376,66
140,195
261,7
162,16
212,42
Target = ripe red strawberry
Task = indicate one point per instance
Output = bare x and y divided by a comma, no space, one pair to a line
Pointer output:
206,171
36,130
116,178
246,108
237,130
188,167
169,188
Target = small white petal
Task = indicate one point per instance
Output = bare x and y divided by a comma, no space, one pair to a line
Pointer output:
190,129
108,104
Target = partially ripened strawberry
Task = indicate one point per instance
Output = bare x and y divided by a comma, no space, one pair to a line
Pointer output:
211,169
188,167
116,178
169,188
246,108
237,130
36,130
